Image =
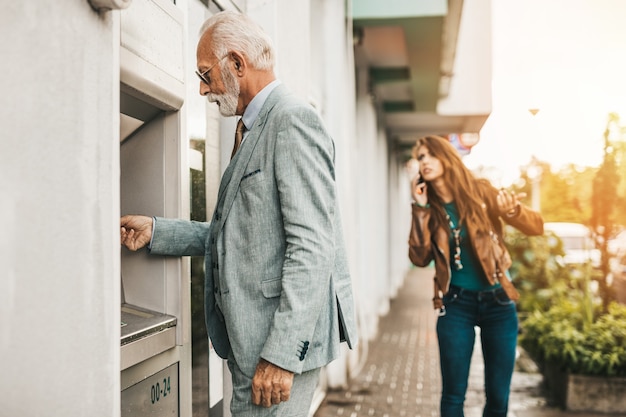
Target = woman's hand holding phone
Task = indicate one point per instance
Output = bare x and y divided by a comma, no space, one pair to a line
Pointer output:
418,186
418,190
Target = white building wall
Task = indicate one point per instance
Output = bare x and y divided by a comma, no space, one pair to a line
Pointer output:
399,223
373,300
332,65
376,197
288,24
59,210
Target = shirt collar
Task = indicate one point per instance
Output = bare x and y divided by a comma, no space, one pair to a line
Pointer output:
253,109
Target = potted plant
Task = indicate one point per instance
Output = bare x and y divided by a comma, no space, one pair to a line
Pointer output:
581,352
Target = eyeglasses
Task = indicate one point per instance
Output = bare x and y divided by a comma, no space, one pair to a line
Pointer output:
204,76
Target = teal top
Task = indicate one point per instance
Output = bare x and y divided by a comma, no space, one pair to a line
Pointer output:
471,276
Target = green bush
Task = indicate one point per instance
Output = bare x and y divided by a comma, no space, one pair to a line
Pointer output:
564,336
536,271
563,323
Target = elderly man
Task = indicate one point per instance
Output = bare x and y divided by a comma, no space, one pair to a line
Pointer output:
278,296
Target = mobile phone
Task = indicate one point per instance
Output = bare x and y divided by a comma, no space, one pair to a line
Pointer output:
420,190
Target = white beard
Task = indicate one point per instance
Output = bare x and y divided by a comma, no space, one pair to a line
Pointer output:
227,102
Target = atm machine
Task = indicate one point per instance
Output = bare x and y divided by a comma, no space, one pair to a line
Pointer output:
155,340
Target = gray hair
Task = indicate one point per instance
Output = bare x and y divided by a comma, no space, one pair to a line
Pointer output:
233,31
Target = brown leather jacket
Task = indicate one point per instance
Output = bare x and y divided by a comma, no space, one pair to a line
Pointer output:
426,245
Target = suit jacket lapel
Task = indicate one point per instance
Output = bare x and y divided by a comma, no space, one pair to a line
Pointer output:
232,176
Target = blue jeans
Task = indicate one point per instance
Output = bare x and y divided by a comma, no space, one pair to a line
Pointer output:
496,316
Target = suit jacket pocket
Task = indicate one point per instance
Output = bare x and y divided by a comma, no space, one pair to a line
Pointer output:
251,178
272,287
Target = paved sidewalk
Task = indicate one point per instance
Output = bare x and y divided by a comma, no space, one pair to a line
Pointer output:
401,377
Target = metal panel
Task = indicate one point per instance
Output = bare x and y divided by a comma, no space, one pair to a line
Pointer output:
142,349
138,323
156,395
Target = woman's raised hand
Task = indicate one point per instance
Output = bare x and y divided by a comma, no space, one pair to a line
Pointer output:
508,202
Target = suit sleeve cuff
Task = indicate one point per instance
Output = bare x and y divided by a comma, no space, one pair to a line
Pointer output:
152,237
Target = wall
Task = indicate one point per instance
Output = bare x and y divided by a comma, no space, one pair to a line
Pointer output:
333,91
59,181
371,213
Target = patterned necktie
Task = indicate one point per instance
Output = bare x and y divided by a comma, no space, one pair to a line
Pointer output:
238,136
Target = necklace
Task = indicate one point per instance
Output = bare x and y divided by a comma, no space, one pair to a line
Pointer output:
456,232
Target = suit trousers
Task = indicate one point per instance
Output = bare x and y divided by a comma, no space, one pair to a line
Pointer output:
299,403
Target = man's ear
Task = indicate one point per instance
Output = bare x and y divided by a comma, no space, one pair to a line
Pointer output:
238,61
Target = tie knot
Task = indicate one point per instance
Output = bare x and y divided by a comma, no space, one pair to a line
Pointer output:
240,127
238,136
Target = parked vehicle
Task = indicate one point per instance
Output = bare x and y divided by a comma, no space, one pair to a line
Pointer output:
578,244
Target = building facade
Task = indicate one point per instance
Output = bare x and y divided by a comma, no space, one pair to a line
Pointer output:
102,117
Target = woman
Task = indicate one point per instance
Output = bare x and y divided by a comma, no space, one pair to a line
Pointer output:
457,224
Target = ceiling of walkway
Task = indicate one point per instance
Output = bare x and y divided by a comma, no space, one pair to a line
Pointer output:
408,50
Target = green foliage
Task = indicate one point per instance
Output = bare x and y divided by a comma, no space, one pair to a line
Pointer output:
594,196
587,195
604,203
565,194
562,323
562,336
536,272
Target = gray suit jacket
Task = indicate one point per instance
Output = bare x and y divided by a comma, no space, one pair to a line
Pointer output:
277,281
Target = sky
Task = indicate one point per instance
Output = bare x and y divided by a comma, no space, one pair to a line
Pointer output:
566,58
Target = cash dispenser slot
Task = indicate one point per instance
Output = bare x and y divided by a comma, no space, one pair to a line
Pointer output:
138,322
144,333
